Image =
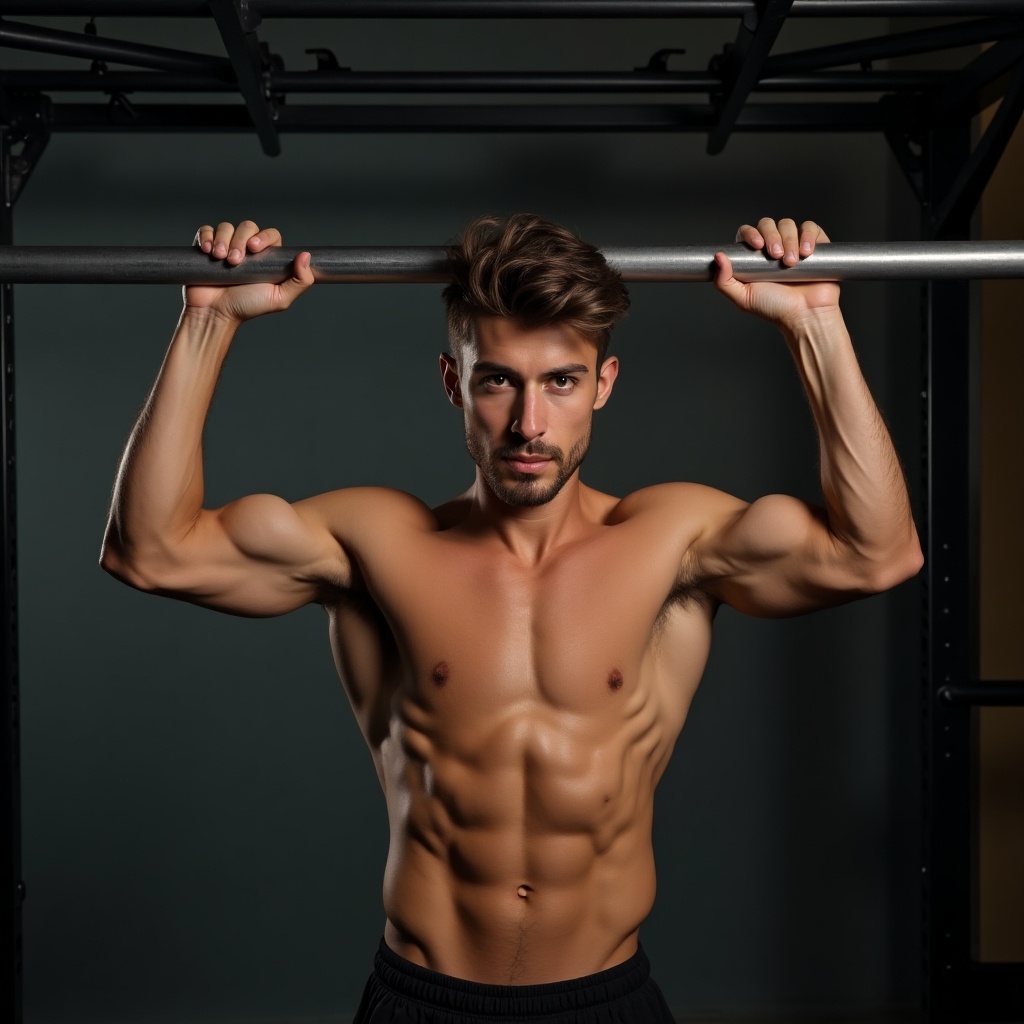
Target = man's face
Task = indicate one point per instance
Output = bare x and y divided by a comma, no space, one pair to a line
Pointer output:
528,396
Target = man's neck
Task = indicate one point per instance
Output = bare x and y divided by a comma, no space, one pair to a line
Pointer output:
530,532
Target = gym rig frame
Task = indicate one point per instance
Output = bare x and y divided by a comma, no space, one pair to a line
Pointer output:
926,116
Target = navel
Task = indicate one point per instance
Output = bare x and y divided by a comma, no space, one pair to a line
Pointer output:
615,679
523,891
440,673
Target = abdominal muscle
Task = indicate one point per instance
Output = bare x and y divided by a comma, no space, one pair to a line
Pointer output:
521,852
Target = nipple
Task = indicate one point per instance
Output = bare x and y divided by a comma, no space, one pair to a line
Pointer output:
615,679
440,673
523,891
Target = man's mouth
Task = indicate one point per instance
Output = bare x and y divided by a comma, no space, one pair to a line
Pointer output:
528,463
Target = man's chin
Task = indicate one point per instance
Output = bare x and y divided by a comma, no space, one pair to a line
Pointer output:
525,493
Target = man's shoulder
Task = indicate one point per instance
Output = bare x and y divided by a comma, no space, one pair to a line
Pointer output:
349,508
698,502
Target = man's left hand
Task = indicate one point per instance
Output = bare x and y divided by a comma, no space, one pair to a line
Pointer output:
783,304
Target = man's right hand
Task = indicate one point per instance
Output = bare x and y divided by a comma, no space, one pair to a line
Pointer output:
243,302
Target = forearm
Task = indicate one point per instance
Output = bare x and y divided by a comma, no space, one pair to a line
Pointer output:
158,493
862,480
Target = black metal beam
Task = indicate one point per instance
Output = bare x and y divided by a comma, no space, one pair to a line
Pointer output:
985,694
516,8
73,44
236,29
996,992
473,82
742,63
951,611
766,117
898,44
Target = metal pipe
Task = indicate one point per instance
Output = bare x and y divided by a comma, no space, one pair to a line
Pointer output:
72,44
470,82
866,116
24,264
993,695
474,82
897,44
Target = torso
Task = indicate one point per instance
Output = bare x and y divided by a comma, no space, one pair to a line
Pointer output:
519,718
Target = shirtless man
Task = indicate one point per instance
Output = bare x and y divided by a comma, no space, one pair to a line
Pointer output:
521,659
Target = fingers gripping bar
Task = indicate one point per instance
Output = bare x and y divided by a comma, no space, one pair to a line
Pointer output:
25,264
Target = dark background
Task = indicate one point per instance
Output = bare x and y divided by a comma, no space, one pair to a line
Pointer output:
204,835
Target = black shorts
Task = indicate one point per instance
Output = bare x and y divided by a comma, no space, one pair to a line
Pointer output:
401,992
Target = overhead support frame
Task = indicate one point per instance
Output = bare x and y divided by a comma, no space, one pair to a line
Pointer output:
516,9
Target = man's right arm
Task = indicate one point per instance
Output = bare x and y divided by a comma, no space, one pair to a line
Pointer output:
259,555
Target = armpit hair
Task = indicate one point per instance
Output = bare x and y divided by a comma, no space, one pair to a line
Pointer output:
685,592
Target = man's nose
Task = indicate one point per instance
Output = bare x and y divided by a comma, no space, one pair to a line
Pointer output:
530,421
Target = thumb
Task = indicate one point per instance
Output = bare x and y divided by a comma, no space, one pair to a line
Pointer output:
735,291
302,278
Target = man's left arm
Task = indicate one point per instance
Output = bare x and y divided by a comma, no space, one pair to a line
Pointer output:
779,555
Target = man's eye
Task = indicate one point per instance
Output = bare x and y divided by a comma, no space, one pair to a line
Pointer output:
563,383
496,378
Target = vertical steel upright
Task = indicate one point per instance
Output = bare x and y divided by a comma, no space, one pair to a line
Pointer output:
10,801
950,640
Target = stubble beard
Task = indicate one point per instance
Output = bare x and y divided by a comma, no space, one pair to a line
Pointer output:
527,491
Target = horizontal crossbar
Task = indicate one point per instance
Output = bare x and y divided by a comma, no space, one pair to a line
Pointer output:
23,264
515,8
985,694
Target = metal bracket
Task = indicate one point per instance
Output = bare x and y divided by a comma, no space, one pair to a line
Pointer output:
899,116
237,25
27,119
25,162
121,109
325,59
658,61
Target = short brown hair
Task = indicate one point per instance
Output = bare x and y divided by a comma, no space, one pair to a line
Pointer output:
533,271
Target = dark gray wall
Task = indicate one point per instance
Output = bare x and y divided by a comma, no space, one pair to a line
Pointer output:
204,835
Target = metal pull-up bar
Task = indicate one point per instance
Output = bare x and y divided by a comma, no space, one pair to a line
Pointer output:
26,264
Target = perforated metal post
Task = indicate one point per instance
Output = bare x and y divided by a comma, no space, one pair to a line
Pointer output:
10,801
950,641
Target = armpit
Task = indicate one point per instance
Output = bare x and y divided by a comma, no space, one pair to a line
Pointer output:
687,595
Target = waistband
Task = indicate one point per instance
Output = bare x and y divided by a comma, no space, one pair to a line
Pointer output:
457,994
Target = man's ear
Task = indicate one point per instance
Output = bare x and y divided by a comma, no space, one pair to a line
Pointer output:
450,378
606,380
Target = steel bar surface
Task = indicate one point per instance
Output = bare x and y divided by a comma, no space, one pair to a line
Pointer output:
25,264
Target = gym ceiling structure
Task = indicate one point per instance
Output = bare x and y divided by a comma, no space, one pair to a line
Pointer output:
927,117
